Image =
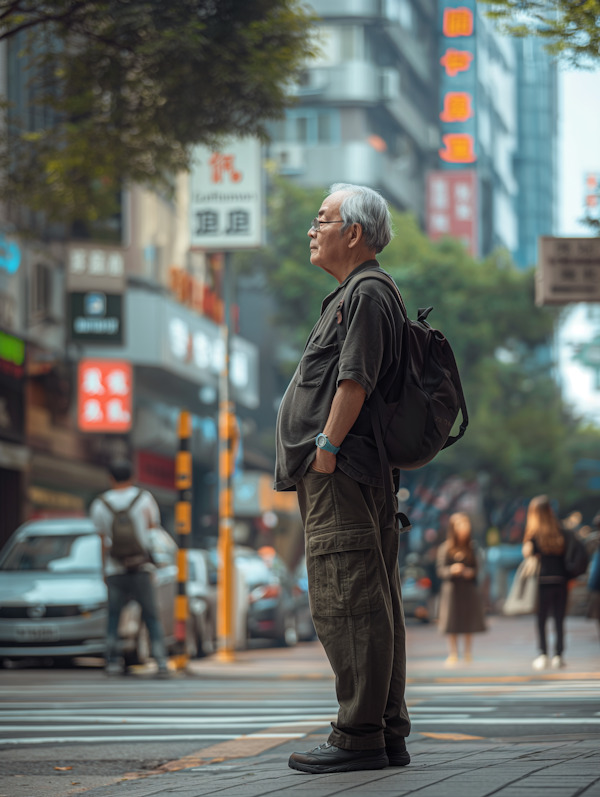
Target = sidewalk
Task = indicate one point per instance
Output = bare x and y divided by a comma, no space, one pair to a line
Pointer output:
467,768
504,652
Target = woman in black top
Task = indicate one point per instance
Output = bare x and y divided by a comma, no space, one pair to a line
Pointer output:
544,538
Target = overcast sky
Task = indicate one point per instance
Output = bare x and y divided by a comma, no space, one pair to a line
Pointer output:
579,144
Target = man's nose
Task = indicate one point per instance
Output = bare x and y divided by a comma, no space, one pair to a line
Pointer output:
312,233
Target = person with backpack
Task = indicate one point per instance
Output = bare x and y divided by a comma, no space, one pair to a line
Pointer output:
124,517
356,410
562,557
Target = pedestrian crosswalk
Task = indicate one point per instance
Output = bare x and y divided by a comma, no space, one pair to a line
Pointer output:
248,712
24,723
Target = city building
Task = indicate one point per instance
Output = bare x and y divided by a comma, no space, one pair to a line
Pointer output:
536,156
366,109
473,193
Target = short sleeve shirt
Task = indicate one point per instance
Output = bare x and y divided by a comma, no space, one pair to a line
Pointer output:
370,357
145,515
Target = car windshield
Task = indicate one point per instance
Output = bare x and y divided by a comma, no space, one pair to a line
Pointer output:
255,570
60,553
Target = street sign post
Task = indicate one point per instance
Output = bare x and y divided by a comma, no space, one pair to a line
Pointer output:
226,213
568,270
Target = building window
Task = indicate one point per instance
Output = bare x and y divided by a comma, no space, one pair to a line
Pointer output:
310,126
41,292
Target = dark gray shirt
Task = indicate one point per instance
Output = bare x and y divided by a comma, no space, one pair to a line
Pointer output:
370,356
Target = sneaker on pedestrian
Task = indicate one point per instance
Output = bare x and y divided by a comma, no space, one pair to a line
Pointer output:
328,758
163,670
541,662
397,754
451,661
468,658
557,662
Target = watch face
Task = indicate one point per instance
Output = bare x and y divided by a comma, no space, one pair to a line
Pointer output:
321,440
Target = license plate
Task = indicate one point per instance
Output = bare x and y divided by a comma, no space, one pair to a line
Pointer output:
37,633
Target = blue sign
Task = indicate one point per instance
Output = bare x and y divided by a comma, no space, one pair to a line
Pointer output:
10,255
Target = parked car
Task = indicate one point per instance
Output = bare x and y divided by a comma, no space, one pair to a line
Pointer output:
53,595
271,603
416,591
306,628
202,595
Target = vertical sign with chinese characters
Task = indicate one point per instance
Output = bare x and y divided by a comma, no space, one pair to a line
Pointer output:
226,197
458,83
452,206
105,396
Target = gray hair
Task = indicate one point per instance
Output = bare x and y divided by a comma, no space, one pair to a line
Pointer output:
366,207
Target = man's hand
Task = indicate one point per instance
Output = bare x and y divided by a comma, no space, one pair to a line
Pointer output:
324,462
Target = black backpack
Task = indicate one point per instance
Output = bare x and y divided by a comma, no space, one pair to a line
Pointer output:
576,556
411,431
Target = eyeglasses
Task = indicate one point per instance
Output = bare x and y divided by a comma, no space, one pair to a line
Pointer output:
316,224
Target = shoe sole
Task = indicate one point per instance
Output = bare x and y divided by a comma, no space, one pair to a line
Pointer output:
399,760
350,766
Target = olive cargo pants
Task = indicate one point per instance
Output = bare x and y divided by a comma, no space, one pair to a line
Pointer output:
355,601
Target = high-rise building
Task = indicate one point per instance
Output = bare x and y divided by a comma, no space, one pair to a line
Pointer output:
367,107
535,159
473,193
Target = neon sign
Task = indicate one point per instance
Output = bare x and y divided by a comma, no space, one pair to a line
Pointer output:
455,61
459,148
457,107
458,22
10,255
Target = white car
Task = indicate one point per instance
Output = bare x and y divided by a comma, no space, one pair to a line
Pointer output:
53,596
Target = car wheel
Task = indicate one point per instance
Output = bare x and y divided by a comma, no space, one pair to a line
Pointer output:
290,632
141,653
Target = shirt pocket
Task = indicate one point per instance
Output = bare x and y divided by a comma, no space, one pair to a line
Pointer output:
313,364
347,578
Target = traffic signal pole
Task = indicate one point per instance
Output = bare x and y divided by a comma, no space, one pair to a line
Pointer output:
227,439
183,527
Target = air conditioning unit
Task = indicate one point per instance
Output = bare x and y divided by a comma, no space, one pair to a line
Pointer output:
290,158
389,83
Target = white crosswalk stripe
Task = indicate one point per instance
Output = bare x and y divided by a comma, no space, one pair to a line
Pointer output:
26,723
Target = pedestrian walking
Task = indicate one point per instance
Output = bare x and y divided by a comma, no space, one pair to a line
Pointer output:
545,538
124,516
594,580
461,606
327,451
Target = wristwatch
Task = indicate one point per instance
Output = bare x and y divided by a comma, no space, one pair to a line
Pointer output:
323,442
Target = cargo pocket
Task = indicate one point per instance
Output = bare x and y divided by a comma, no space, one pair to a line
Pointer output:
346,572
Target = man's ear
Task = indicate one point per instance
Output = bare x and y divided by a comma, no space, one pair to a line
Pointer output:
356,234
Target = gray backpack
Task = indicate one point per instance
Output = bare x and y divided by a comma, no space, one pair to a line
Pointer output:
125,545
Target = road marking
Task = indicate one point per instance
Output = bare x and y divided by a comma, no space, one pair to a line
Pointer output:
184,737
451,737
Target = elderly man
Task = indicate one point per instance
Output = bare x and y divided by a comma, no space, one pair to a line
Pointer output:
327,452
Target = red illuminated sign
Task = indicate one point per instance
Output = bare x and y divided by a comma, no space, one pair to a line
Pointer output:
458,22
455,61
459,148
457,107
452,206
105,395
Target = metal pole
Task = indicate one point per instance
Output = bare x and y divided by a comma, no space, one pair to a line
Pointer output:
183,527
227,432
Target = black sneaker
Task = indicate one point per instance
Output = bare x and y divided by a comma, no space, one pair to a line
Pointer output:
327,758
398,754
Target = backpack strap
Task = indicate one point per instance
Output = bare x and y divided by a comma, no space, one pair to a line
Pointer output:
128,509
376,399
461,396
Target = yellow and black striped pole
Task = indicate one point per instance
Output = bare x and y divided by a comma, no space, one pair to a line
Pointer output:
183,527
227,441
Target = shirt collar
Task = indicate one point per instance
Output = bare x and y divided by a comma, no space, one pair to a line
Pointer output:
369,264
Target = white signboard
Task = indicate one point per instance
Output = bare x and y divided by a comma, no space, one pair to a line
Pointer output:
568,270
96,267
226,197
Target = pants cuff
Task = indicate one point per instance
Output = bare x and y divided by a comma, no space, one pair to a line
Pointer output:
346,742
